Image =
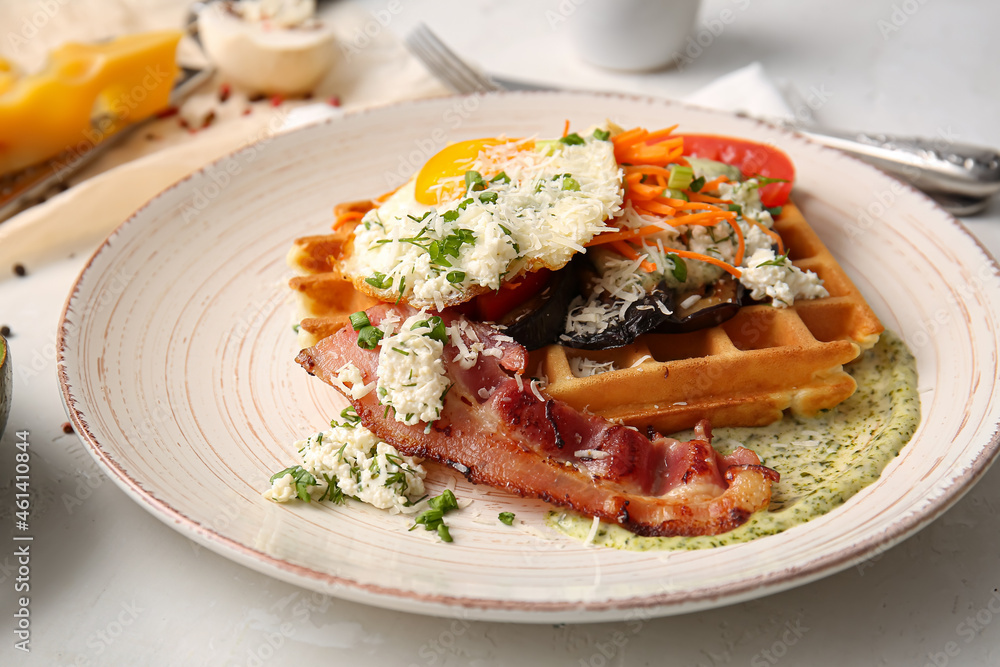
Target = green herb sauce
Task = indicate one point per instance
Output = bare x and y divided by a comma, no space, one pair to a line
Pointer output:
823,461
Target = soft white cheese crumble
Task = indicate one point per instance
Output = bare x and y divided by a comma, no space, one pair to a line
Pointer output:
356,463
411,376
776,278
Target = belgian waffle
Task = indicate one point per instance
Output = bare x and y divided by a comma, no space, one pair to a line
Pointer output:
744,372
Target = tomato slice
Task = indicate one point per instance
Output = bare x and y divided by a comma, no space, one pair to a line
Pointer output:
491,306
752,158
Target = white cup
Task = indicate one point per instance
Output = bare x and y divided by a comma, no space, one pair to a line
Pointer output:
632,35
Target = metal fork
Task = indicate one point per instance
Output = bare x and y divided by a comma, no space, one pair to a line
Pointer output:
446,65
962,178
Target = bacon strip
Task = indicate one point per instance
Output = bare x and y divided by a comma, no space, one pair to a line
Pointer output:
496,430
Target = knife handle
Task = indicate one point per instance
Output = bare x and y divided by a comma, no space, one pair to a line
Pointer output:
933,165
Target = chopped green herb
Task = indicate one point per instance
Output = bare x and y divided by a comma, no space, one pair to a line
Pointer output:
445,502
402,288
573,139
421,218
697,184
450,216
502,177
436,326
488,197
295,328
359,320
766,180
444,533
349,415
401,351
570,183
369,337
775,211
679,270
379,280
303,480
455,277
507,518
602,135
737,208
780,260
474,180
333,491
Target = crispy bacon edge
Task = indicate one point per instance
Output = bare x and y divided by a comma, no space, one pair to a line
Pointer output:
501,430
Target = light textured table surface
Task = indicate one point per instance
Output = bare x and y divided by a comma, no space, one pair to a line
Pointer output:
111,585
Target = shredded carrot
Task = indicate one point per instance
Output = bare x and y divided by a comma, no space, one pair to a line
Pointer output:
636,187
630,252
728,268
661,134
714,183
656,207
629,137
624,235
566,128
647,169
697,196
706,215
741,245
775,236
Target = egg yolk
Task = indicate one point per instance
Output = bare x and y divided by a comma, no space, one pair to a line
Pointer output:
437,182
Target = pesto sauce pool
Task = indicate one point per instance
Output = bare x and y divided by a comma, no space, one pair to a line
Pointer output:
823,461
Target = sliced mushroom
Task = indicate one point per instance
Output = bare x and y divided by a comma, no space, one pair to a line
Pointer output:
716,303
538,321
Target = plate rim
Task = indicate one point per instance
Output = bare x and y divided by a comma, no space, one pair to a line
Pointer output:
662,603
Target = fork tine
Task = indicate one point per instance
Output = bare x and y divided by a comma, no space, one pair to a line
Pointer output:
446,64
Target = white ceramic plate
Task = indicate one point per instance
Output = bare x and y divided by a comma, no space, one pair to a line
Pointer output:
176,363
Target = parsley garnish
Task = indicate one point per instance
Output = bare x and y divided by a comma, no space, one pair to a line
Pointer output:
780,260
359,320
602,135
350,417
502,177
766,180
369,337
679,270
474,181
573,139
333,491
303,480
697,184
737,208
433,519
775,211
507,518
379,280
436,328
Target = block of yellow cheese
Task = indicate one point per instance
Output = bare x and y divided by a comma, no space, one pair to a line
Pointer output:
86,93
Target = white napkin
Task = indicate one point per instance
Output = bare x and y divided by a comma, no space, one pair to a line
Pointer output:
748,90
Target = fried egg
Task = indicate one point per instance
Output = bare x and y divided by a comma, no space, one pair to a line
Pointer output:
483,212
